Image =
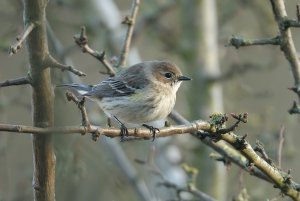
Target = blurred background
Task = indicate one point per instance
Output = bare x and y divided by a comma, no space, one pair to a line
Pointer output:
194,34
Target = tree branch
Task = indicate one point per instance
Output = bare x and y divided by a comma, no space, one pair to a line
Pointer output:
80,103
42,101
252,162
52,63
287,44
130,22
81,40
18,81
20,39
278,177
280,146
109,132
239,41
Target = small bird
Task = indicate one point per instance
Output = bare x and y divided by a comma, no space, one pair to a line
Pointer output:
142,93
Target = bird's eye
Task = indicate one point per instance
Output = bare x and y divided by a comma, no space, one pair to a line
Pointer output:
168,75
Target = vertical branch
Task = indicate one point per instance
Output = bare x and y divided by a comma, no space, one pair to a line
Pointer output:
280,146
42,101
287,43
130,21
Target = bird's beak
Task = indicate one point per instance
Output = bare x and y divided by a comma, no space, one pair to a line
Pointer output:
183,78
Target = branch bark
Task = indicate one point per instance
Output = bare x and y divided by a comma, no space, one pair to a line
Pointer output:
18,81
42,101
287,44
109,132
81,40
130,21
20,39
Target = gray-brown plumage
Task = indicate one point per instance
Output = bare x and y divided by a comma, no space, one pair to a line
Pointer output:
141,93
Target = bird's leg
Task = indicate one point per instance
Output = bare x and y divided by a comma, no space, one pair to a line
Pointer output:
153,130
123,129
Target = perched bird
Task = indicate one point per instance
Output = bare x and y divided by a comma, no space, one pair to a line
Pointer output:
141,93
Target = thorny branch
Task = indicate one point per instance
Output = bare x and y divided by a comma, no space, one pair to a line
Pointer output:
130,22
21,38
81,40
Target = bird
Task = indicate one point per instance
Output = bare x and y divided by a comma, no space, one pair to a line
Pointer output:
139,94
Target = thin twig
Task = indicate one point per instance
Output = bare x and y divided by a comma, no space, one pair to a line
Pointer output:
290,23
130,22
52,63
18,81
20,39
197,193
260,149
81,40
238,41
280,146
80,103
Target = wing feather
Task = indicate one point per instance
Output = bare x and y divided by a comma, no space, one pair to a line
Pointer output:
124,84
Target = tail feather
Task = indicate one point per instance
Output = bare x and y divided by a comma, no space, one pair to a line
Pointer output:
80,88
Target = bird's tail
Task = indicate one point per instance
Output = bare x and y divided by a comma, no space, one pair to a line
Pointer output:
80,88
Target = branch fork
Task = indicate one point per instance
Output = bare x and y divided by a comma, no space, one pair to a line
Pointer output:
81,40
21,38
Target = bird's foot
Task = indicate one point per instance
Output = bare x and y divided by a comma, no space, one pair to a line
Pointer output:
153,130
124,132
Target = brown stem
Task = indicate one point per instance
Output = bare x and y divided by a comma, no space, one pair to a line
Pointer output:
280,146
109,132
52,63
287,43
249,160
238,41
82,41
80,103
42,102
130,22
18,81
21,38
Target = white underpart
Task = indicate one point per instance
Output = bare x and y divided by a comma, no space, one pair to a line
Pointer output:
131,110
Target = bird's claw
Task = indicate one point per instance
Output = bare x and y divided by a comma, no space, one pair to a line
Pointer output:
123,132
153,130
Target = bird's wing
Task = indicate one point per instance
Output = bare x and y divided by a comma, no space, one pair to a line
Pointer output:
110,88
125,83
